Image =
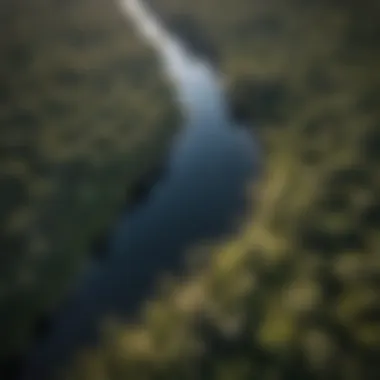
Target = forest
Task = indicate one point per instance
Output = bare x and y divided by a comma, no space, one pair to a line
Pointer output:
78,129
294,294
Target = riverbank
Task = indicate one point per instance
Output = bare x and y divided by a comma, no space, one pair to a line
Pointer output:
295,294
85,114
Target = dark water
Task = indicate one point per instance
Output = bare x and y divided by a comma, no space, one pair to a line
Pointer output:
200,197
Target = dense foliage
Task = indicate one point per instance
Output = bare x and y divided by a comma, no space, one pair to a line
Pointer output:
84,113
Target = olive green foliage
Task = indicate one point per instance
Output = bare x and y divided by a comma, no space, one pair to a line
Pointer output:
296,293
84,113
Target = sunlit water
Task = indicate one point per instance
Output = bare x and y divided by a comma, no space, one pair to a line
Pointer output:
201,195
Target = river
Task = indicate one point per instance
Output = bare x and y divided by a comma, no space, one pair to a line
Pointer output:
201,196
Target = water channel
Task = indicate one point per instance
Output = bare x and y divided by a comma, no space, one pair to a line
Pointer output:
200,197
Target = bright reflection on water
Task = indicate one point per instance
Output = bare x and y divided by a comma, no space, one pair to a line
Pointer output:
201,195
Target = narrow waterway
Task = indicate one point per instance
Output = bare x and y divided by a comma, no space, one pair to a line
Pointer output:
200,197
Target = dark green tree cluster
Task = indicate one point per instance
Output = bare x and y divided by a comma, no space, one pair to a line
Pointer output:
84,113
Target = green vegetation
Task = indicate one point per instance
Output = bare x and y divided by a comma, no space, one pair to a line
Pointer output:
84,114
295,294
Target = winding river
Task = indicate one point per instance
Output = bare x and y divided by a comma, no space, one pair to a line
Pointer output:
201,197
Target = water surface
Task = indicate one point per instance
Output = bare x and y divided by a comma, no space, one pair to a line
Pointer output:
200,197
